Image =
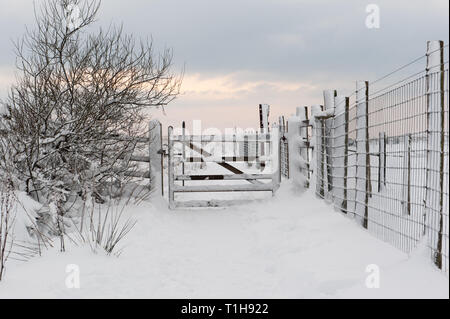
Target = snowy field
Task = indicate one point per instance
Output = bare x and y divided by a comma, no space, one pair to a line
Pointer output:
289,246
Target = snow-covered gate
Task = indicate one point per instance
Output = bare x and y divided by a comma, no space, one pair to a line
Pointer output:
259,151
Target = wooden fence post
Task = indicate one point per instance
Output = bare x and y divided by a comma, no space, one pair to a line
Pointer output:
275,146
150,153
298,148
224,146
183,127
161,149
346,156
435,78
302,114
340,147
258,165
308,142
323,160
234,147
329,108
202,163
264,110
279,158
171,168
319,149
362,152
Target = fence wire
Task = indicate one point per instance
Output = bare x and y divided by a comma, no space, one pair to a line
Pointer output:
384,161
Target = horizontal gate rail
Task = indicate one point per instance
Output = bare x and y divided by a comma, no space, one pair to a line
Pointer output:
224,188
222,177
226,159
225,138
209,203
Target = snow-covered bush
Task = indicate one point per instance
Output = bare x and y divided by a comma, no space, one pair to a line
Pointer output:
78,107
6,222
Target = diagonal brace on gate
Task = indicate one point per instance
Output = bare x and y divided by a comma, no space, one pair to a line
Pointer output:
225,165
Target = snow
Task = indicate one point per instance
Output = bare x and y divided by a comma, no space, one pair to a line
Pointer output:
288,246
25,215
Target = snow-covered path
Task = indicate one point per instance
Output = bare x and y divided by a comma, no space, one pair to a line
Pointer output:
285,247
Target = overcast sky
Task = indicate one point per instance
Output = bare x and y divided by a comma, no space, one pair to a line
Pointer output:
239,53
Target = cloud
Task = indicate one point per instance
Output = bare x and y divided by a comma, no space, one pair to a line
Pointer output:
227,100
234,86
239,53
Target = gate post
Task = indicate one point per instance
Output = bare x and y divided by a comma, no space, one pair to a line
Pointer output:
435,78
154,147
171,168
362,152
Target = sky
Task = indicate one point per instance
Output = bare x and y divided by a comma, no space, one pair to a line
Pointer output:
237,54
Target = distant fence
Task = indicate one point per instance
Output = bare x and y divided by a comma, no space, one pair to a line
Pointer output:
382,157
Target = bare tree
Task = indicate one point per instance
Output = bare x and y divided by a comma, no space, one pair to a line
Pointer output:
79,103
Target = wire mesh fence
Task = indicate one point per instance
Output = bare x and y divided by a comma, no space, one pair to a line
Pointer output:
382,158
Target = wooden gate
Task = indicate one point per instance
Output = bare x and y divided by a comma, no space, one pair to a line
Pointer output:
258,150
